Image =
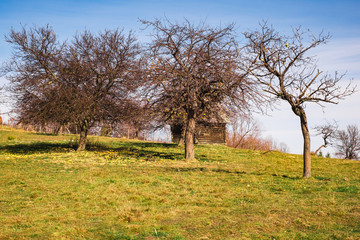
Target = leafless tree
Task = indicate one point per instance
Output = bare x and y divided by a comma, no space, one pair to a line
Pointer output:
36,59
192,71
136,119
3,100
2,92
282,147
244,132
80,82
242,128
282,66
327,132
348,142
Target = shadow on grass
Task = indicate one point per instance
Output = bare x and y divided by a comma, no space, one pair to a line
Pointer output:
226,171
203,169
45,134
286,176
148,155
139,150
152,144
38,147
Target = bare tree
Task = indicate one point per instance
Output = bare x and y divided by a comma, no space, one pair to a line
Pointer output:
242,128
2,93
348,142
281,65
81,82
3,98
36,59
244,132
192,70
282,147
327,132
136,119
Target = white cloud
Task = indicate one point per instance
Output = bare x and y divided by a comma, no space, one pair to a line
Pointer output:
342,55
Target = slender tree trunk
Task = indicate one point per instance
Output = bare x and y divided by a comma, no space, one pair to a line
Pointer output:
136,133
317,150
57,129
306,152
84,128
189,138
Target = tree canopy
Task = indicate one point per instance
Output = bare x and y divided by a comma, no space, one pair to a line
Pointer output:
79,82
282,65
193,74
187,73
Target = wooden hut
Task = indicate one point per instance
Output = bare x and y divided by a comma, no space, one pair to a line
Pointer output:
207,132
210,133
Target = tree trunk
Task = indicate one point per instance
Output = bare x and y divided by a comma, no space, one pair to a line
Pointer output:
306,152
317,150
182,136
189,138
84,128
136,136
57,129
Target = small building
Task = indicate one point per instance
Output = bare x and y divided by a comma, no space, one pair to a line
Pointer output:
210,133
207,132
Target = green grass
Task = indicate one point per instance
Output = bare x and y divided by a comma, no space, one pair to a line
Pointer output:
121,189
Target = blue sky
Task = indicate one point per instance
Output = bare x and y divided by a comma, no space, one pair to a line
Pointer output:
340,18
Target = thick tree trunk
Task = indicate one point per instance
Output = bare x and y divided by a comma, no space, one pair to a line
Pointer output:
189,139
306,152
82,141
84,128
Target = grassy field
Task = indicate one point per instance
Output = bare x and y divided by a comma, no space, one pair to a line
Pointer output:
121,189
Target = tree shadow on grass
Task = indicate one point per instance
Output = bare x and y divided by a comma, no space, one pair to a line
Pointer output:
183,169
137,150
141,150
153,144
45,134
147,154
203,169
37,147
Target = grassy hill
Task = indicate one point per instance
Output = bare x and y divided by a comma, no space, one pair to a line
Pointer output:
122,189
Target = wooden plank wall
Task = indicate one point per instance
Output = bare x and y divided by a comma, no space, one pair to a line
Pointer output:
207,133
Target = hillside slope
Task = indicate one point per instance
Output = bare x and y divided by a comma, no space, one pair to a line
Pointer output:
127,189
